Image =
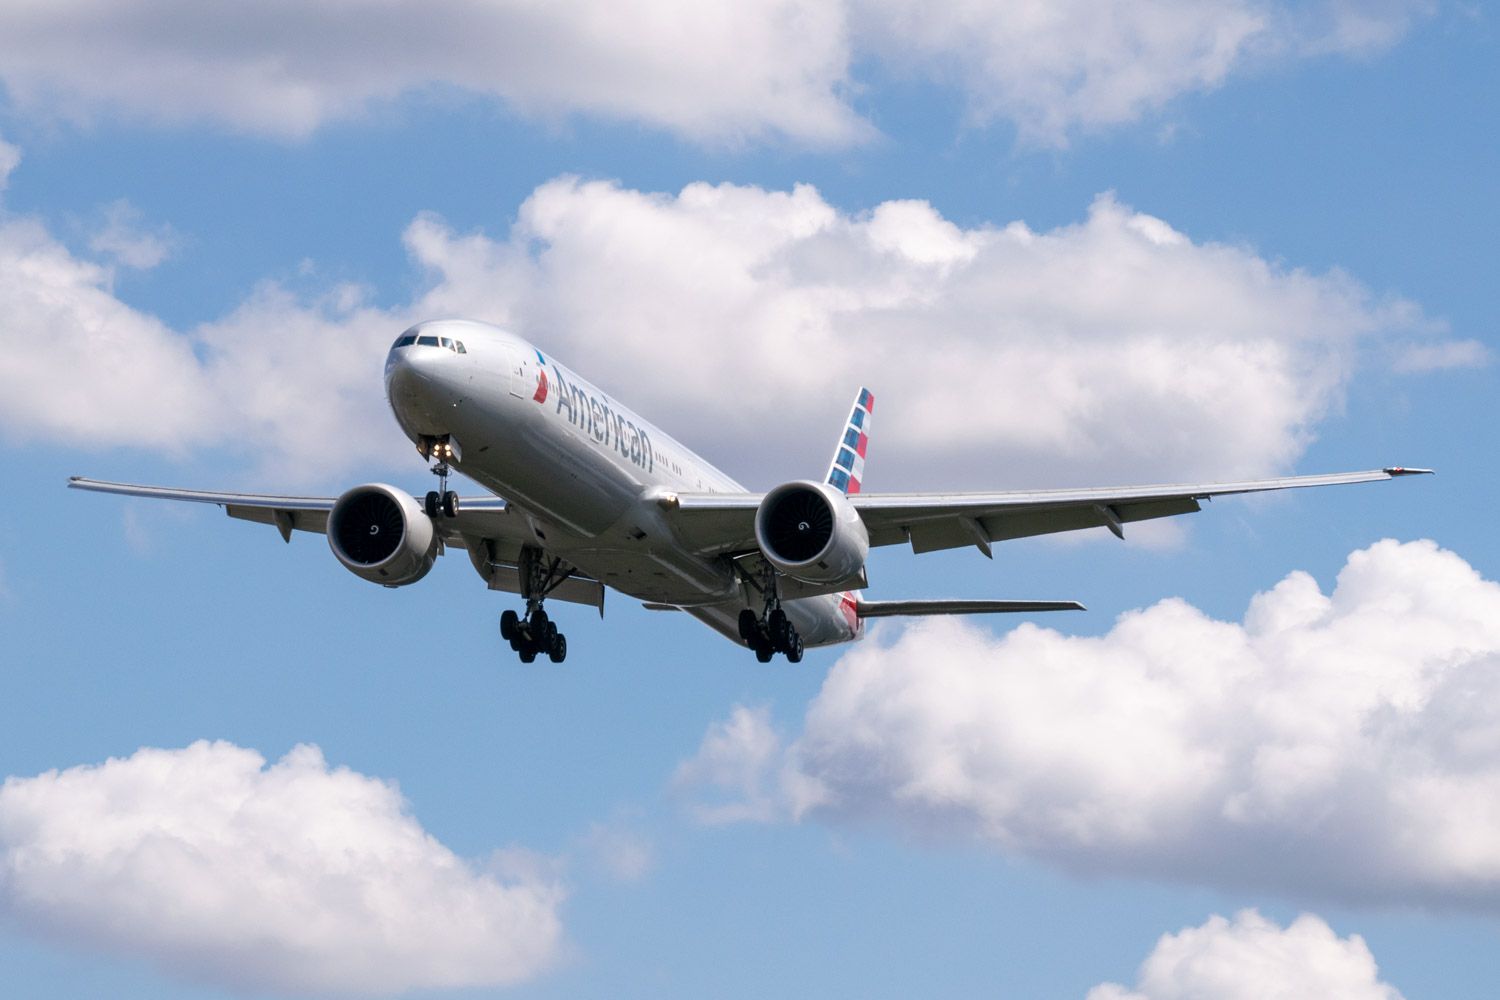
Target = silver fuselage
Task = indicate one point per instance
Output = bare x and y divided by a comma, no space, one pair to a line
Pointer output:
586,473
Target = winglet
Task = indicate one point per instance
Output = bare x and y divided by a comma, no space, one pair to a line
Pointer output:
847,469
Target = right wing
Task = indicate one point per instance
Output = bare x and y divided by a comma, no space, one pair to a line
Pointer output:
485,527
725,523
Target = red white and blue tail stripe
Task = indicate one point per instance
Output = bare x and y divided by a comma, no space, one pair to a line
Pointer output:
847,470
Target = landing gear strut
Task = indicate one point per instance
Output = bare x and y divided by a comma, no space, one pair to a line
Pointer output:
441,500
771,632
534,632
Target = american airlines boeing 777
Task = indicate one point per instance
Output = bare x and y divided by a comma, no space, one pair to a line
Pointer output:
586,495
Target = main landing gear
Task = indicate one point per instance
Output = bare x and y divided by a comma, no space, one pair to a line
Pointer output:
534,632
771,633
441,500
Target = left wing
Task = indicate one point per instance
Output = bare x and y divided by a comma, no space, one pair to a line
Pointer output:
725,523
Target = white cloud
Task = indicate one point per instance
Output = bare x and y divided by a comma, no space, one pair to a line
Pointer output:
721,72
1440,357
1342,746
292,384
1114,349
1251,958
10,158
1066,65
296,877
713,72
124,238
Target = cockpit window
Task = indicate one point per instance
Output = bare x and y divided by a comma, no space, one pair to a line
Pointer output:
459,344
407,340
427,341
446,342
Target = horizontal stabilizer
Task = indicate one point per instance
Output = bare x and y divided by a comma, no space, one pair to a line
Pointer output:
890,609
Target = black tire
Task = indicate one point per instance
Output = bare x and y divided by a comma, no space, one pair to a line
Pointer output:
749,625
764,654
558,651
430,505
528,653
539,622
509,621
794,655
781,630
450,504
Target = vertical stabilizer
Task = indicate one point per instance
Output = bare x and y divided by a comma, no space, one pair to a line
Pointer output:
847,470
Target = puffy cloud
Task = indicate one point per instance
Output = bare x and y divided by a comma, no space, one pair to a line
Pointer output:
711,71
1057,67
1115,348
1116,345
715,72
296,877
1342,745
1251,958
279,380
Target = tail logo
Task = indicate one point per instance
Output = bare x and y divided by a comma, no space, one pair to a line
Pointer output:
848,465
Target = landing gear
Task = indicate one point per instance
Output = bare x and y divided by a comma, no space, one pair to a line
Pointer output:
441,501
535,633
771,633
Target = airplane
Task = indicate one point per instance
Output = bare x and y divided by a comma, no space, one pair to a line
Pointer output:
586,496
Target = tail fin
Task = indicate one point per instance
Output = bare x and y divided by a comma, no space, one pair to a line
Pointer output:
847,470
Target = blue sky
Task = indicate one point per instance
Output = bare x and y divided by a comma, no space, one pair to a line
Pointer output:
1116,243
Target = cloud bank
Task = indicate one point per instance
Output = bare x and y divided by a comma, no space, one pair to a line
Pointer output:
1251,958
295,878
715,73
1342,745
1112,349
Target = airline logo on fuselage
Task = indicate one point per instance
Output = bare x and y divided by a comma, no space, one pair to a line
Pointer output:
595,417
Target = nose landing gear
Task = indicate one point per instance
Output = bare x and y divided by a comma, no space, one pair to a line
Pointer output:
441,501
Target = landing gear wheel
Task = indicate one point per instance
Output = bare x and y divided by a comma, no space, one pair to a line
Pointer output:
509,621
558,650
450,504
749,625
430,506
764,654
528,653
780,629
539,622
794,654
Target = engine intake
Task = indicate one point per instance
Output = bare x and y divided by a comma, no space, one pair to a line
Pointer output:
811,532
380,534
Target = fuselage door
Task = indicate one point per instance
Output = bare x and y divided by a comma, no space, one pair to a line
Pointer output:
515,361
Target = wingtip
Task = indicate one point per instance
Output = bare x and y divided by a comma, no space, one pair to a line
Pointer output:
1401,470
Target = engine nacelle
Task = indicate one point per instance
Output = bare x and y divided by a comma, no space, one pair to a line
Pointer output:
381,534
811,532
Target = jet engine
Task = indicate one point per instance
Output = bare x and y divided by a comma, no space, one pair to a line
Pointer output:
381,534
811,532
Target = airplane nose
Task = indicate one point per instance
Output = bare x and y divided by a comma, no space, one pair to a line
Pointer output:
422,381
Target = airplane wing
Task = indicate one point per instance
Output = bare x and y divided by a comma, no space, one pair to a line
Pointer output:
717,522
485,527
